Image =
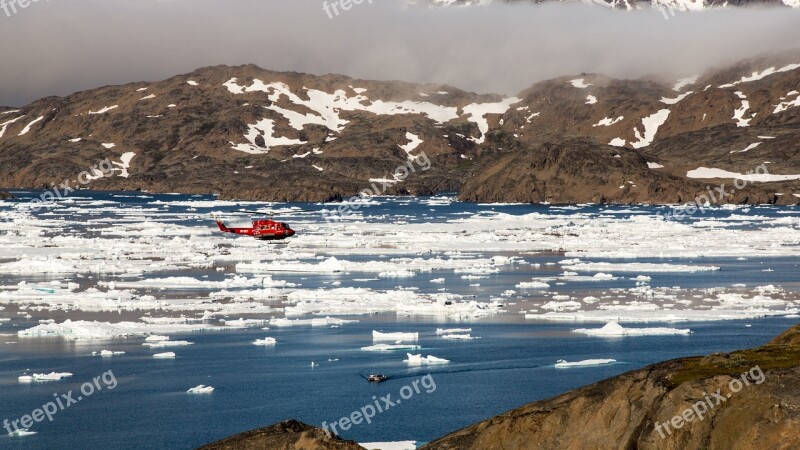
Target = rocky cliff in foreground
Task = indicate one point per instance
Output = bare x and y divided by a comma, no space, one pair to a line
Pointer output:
747,399
289,435
742,400
249,133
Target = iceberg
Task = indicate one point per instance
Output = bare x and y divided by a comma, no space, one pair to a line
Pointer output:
201,389
419,360
395,337
458,337
562,364
615,329
163,344
441,331
265,342
42,377
21,432
390,347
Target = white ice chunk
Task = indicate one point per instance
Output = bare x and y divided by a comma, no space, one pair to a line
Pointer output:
615,329
44,377
268,341
443,331
390,347
201,389
378,336
419,360
562,364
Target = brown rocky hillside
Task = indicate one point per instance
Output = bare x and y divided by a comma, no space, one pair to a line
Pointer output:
249,133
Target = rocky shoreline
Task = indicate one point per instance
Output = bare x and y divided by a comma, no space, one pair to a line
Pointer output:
670,405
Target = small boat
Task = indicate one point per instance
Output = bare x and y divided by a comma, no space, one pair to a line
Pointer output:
377,378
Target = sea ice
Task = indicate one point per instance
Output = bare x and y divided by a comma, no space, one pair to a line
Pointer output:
562,364
615,329
378,336
21,432
42,377
201,389
390,347
442,331
419,360
268,341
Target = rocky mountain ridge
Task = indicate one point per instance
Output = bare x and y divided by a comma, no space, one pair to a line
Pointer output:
675,5
249,133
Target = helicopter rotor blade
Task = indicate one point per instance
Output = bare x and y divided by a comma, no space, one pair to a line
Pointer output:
272,212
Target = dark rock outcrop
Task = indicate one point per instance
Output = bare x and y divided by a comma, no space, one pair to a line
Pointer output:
289,435
637,409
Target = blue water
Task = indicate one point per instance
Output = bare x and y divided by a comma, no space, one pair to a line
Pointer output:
510,365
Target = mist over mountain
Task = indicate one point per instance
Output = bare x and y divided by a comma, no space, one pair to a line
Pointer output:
82,44
289,136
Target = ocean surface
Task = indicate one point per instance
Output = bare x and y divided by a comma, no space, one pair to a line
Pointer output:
317,374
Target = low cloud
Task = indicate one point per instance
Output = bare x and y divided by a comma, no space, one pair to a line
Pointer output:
58,47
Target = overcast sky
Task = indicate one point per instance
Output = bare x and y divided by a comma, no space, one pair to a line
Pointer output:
59,46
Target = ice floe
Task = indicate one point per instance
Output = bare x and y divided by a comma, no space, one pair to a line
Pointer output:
378,336
458,337
390,347
615,329
81,329
443,331
21,432
108,353
419,360
201,389
165,344
44,377
562,364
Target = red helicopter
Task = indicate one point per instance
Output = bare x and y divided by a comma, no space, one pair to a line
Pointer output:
262,229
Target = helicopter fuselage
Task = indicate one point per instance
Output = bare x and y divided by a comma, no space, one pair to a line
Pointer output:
264,230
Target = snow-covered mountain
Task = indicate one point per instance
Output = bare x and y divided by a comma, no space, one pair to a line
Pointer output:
246,132
676,5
